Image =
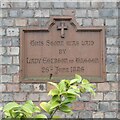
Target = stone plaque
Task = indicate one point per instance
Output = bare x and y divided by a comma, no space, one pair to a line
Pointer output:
62,50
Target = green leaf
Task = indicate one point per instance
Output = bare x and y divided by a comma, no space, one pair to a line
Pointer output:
54,84
62,86
71,91
10,105
55,98
1,108
40,116
69,100
56,116
65,109
54,105
84,81
73,81
45,106
53,92
78,77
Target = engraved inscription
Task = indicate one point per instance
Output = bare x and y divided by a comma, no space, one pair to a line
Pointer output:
47,56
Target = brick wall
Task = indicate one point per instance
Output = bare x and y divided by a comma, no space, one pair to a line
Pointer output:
15,15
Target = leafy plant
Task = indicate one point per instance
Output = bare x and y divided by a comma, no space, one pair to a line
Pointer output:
63,94
27,110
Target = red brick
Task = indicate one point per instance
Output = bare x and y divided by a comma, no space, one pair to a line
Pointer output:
20,96
78,105
91,106
13,88
114,86
2,87
103,87
33,97
16,78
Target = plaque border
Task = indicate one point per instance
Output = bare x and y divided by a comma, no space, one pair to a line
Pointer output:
47,29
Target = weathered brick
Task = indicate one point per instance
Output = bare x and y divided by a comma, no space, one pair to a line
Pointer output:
97,4
6,4
19,4
98,22
111,22
20,96
21,22
111,41
44,97
32,4
84,4
71,4
110,96
108,13
42,13
87,22
110,115
33,22
111,77
93,13
6,79
16,78
26,13
15,59
4,69
26,87
58,4
6,60
6,41
85,97
78,105
114,86
43,22
91,106
2,31
12,32
70,12
104,106
81,13
112,68
13,13
110,4
2,50
45,5
2,87
55,12
103,87
3,13
112,31
13,50
97,97
114,106
12,69
112,50
15,42
7,97
85,114
98,115
40,87
79,21
8,22
112,59
13,88
33,97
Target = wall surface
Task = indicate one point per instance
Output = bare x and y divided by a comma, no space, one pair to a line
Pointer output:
15,15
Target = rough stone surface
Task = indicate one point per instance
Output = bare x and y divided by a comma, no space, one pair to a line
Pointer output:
6,78
21,22
110,115
26,87
104,106
97,97
20,96
42,13
81,13
103,87
98,115
110,96
13,88
12,69
78,106
12,31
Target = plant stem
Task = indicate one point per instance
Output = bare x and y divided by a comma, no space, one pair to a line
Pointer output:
51,115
